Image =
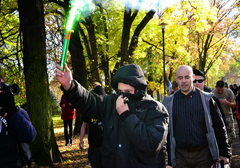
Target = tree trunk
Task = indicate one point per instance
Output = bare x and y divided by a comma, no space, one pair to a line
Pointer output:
44,148
93,57
125,38
105,58
138,30
126,50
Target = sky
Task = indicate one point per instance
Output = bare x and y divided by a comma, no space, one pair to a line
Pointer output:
167,3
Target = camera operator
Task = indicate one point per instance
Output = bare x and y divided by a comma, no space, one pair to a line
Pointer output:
15,126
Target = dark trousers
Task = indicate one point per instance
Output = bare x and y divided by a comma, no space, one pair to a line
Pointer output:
94,156
238,122
68,124
193,159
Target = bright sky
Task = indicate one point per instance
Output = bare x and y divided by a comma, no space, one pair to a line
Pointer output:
167,3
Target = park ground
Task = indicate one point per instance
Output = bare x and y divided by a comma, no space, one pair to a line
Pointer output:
77,158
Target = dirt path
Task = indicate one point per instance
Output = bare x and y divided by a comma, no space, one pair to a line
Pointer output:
74,157
235,162
236,150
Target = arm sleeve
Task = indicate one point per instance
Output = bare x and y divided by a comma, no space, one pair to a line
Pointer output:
88,104
220,130
220,108
149,135
23,126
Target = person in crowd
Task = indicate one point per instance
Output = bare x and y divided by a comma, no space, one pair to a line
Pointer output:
96,84
15,125
198,135
174,87
135,125
235,92
235,89
226,85
206,89
200,83
67,115
227,99
94,136
238,112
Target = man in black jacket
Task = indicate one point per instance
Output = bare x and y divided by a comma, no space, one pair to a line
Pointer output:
135,125
198,136
199,83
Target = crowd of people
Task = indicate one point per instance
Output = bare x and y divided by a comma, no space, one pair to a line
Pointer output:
194,125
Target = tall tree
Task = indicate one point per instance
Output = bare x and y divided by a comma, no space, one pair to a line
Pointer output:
126,50
198,34
212,38
45,150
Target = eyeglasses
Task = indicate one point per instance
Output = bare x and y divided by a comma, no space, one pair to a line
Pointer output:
199,81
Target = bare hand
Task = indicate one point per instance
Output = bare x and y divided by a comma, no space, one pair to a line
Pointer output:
64,77
226,160
223,100
81,144
120,105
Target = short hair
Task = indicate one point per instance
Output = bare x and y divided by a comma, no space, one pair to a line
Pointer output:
2,78
220,84
226,84
174,84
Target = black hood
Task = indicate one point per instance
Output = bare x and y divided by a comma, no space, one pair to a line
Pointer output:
99,90
132,75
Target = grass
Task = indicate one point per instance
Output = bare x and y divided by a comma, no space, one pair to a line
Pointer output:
72,154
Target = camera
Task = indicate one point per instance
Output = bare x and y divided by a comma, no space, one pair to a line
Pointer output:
12,89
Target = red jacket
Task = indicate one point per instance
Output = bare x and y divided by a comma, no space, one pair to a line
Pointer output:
68,112
238,108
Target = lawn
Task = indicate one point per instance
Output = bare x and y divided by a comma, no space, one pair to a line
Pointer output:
73,156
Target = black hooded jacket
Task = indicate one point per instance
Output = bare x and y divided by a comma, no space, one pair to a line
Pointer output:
136,138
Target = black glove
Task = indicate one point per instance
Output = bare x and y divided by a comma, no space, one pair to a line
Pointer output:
7,103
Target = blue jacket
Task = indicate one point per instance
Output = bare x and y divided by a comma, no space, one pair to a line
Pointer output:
216,131
14,128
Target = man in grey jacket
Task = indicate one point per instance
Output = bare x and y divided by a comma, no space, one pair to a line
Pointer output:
197,132
135,125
